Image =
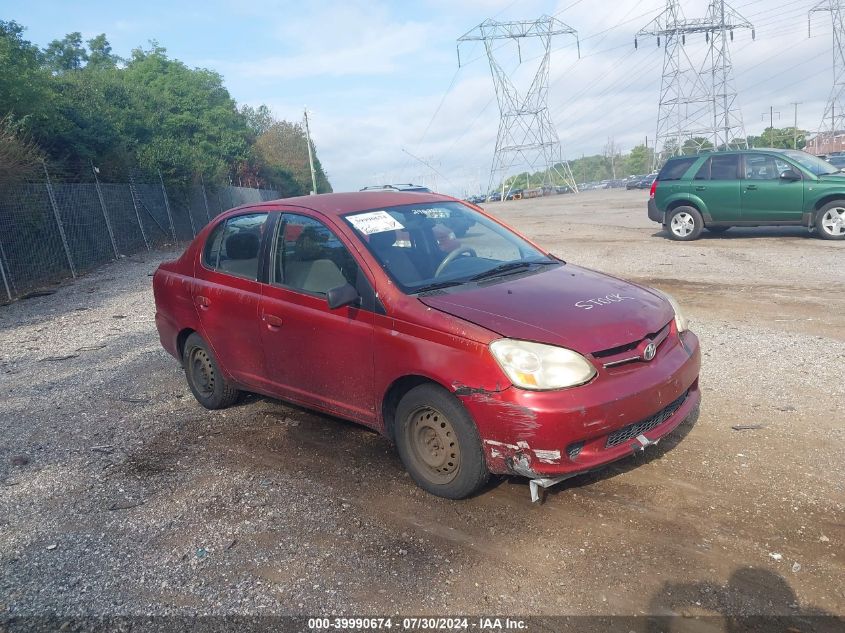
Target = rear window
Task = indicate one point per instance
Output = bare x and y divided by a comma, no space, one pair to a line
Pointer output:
675,168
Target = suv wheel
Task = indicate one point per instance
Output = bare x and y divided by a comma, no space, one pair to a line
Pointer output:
830,221
684,224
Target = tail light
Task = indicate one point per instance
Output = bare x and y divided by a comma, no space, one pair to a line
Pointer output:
653,188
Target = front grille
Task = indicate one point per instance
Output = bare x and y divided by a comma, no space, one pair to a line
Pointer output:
574,450
644,426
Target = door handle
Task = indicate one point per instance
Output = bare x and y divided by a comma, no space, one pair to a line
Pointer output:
273,322
700,188
751,188
202,302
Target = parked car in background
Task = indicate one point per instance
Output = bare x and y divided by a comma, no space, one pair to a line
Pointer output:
770,187
408,187
474,356
496,196
837,161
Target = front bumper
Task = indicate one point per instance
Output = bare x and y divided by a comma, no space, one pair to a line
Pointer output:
654,214
540,434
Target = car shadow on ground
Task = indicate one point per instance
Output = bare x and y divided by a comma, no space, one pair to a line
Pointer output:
753,600
749,232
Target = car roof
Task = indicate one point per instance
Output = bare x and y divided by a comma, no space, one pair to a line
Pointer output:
775,150
337,204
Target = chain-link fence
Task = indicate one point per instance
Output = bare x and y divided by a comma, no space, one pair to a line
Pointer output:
53,230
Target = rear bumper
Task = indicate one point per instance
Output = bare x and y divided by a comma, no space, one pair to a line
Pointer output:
554,433
654,214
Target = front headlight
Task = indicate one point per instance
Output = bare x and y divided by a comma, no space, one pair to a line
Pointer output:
680,320
540,367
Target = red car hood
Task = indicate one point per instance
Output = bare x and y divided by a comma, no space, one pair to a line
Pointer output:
567,306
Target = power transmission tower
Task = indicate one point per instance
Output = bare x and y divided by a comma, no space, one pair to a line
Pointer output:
526,134
697,103
834,111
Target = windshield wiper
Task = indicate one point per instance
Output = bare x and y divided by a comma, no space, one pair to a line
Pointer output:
438,285
508,267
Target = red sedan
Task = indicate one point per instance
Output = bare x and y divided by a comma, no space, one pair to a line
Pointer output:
477,355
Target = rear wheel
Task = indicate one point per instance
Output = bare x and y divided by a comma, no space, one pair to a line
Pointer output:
684,224
439,444
830,221
717,229
207,383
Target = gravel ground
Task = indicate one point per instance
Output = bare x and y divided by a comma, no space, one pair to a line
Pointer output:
120,495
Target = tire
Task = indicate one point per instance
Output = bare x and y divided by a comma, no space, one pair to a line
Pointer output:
830,221
438,443
684,224
207,383
717,229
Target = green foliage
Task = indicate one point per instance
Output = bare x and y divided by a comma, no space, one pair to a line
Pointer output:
25,89
66,54
782,138
284,146
20,158
83,104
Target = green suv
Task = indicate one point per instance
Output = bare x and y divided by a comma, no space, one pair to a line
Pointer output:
756,187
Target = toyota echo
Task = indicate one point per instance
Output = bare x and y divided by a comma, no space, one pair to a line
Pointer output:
479,355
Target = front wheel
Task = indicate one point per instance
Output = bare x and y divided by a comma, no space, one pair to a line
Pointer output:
830,221
439,444
685,224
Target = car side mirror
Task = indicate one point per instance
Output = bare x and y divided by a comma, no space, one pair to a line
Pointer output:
341,296
790,174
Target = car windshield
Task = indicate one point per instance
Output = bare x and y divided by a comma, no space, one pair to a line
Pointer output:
813,164
439,244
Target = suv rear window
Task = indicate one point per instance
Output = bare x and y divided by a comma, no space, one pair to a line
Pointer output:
675,168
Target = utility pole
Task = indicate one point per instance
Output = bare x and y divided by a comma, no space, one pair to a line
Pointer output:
689,109
772,114
526,134
310,156
795,125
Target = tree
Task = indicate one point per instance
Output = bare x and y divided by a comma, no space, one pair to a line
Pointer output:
639,161
284,147
24,85
100,55
783,138
20,157
259,119
66,54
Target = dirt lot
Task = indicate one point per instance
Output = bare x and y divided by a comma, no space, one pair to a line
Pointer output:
121,495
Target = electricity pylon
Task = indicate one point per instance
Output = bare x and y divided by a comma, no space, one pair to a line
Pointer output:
526,134
698,104
834,112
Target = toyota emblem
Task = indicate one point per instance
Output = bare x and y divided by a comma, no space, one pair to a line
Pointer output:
649,351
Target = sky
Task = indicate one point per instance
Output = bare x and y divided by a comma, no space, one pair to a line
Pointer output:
387,101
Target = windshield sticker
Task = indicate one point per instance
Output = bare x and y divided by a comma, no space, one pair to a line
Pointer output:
375,222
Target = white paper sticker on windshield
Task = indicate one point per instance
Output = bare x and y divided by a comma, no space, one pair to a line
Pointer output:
375,222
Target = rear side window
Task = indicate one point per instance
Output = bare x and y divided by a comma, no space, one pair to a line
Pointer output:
675,168
724,167
719,168
233,247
